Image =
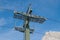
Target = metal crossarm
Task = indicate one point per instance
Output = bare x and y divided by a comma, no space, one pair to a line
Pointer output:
19,16
23,30
38,19
19,29
32,18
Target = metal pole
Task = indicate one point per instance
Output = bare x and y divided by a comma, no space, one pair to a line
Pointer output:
27,34
27,30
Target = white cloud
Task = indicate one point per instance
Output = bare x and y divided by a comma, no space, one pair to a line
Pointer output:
2,21
51,36
11,35
1,9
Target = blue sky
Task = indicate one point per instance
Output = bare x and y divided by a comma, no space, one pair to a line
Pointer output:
48,8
